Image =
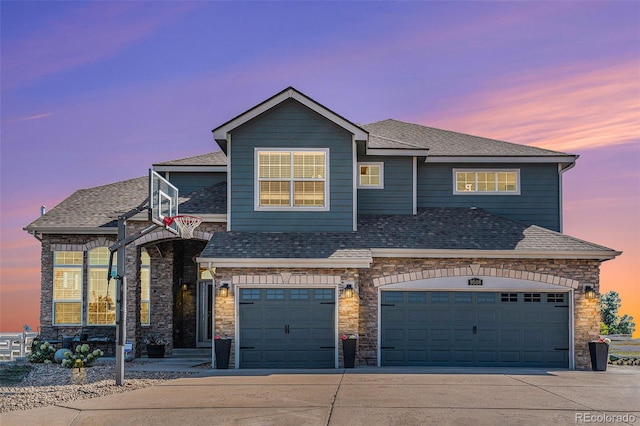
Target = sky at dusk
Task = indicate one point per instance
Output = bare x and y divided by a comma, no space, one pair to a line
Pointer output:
95,92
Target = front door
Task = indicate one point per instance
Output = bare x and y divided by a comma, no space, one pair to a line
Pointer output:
205,314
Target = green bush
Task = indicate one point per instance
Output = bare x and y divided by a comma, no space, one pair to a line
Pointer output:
83,357
41,353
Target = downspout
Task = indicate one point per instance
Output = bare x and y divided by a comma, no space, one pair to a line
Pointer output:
561,171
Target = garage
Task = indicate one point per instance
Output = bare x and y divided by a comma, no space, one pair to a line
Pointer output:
287,328
474,328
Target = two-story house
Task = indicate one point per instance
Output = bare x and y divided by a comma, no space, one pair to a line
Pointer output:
437,248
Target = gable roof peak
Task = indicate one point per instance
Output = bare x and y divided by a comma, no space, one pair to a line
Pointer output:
221,132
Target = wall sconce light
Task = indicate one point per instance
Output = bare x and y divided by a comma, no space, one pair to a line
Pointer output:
589,293
224,290
185,286
348,291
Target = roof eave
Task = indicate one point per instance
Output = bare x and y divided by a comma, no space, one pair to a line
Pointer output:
71,231
220,169
601,255
287,263
398,152
500,159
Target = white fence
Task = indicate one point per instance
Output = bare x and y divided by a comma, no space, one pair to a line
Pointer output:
14,345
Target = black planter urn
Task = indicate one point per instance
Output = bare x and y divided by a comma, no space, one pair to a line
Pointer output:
222,349
349,352
155,351
599,352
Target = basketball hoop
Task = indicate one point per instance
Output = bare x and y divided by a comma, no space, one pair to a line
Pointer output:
186,224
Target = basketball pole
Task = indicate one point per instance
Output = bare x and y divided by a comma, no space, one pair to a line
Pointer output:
120,250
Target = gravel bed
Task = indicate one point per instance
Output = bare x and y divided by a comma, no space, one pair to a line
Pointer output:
51,384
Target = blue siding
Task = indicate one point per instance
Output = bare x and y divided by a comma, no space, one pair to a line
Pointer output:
538,202
187,182
291,125
397,195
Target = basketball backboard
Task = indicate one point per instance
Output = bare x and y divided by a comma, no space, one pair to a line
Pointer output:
163,201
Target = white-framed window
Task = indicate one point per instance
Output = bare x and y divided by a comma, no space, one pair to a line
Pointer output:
145,288
371,175
67,287
291,179
101,293
486,181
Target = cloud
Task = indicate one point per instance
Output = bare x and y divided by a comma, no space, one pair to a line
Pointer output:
31,117
561,109
84,35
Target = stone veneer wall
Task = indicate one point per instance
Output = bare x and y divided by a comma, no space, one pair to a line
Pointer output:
574,274
565,273
160,246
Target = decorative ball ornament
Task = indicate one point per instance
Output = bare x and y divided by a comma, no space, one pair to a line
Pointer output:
59,355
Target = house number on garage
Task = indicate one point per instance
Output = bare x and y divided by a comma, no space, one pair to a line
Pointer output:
475,281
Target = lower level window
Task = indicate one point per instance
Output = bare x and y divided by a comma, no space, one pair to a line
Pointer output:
67,287
101,292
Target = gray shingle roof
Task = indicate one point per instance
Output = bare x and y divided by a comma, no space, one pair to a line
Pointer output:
393,134
98,207
430,229
217,158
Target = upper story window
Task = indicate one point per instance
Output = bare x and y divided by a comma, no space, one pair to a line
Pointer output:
67,287
371,175
291,179
486,181
101,294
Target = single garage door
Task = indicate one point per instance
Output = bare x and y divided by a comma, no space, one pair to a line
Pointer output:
287,328
474,329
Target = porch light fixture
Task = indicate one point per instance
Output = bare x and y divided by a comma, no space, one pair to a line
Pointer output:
224,290
185,286
589,293
348,291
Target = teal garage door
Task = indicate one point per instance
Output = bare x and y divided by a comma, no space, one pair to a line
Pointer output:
420,328
287,328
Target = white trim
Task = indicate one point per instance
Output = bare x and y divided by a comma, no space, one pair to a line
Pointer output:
501,159
499,254
398,152
75,231
291,93
489,284
291,208
354,174
219,169
379,164
415,185
288,263
455,171
229,183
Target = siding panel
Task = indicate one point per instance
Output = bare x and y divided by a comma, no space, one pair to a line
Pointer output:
291,125
538,202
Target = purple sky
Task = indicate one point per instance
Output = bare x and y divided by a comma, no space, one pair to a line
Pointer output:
95,92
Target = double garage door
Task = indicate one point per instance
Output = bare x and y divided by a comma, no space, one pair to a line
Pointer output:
440,328
287,328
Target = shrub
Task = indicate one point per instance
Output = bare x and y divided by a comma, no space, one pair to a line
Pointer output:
41,352
83,357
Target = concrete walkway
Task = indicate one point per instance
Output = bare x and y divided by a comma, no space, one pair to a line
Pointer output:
363,396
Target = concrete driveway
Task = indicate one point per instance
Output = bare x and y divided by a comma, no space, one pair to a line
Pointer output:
364,396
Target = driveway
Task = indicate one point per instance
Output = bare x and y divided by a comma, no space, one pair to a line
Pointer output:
364,396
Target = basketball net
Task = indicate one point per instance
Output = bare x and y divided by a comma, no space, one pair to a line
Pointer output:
186,224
